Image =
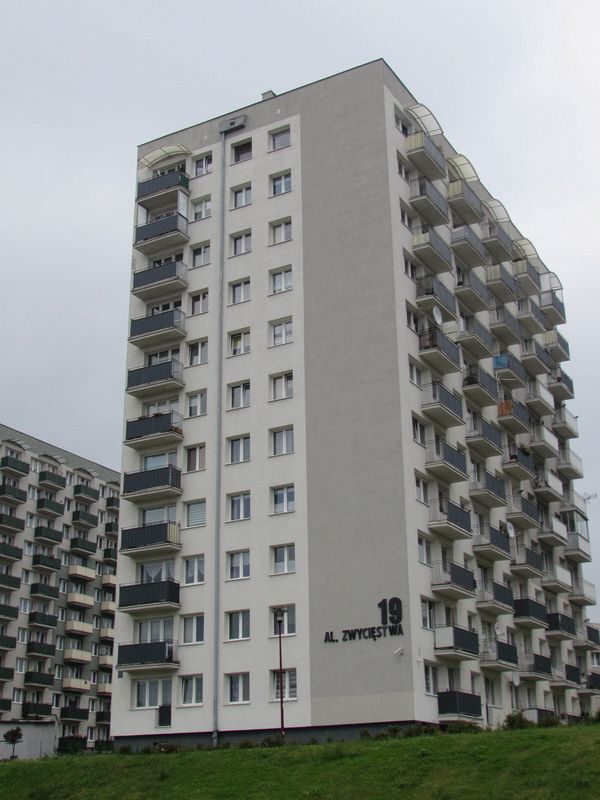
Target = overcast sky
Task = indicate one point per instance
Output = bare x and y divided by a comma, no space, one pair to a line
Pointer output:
515,85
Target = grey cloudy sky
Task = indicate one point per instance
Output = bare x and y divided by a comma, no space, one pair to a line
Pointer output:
514,83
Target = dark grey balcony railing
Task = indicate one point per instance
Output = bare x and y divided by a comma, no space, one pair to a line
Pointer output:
573,673
500,315
560,376
519,456
593,634
461,187
434,338
525,267
535,662
12,464
165,371
149,426
421,141
135,594
153,323
41,649
512,408
43,532
442,451
494,537
507,652
169,270
161,182
79,543
466,640
57,481
109,554
474,328
10,551
39,678
561,622
45,504
45,620
498,272
495,485
150,535
102,716
469,279
496,231
9,581
159,227
509,361
447,510
436,392
424,188
481,427
81,491
452,701
12,522
147,653
36,709
7,642
551,300
466,234
477,376
8,611
528,607
449,572
527,306
7,673
435,241
151,479
500,593
70,712
43,590
527,507
592,681
430,286
13,492
112,502
41,560
85,518
532,348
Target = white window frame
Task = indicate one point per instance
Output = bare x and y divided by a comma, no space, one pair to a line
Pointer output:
281,332
280,231
238,688
238,561
189,629
241,287
243,194
197,354
239,342
196,690
290,684
283,134
282,385
197,568
241,442
239,506
238,625
289,626
287,502
282,441
203,165
202,208
287,559
200,403
201,255
244,394
281,183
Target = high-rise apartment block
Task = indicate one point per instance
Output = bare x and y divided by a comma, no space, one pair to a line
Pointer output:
346,415
58,554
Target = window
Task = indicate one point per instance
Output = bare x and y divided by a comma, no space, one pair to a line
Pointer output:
201,255
412,319
406,218
202,208
193,629
196,513
152,693
401,122
240,291
239,395
428,613
198,353
203,165
238,624
239,449
20,665
195,457
280,184
403,168
281,280
421,489
282,386
281,231
242,196
415,374
282,441
418,430
17,695
280,139
424,546
239,564
199,302
284,558
431,679
191,690
241,243
283,499
281,332
239,506
239,687
239,343
194,570
157,514
288,624
410,269
197,404
242,152
287,680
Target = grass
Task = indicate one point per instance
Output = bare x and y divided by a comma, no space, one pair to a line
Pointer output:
550,764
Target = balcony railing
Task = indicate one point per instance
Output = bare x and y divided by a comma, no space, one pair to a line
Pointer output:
562,623
442,452
85,519
155,323
12,494
421,149
449,512
43,533
36,709
520,504
497,650
162,533
153,425
516,455
161,592
14,466
171,224
38,619
512,408
532,351
479,427
155,373
525,556
448,572
468,280
430,286
474,328
565,422
435,339
527,276
454,702
536,663
452,637
436,392
432,249
51,507
52,479
531,315
476,376
175,271
86,493
468,246
490,483
495,592
429,201
145,653
498,242
464,199
508,363
508,327
489,536
502,283
9,551
159,183
161,477
553,307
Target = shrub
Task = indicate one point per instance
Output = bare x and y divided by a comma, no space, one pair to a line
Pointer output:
516,721
462,726
246,744
421,729
548,722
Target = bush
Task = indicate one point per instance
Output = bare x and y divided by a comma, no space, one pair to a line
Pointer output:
548,722
69,745
421,729
516,721
246,744
462,726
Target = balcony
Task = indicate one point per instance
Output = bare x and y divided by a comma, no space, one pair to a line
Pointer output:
436,349
583,593
9,582
84,520
553,532
565,423
168,232
505,326
6,674
535,667
494,598
112,503
556,578
102,717
111,528
150,380
36,710
75,685
432,250
587,638
82,547
77,655
553,308
37,619
452,580
498,656
47,535
527,563
539,399
527,277
42,649
33,678
573,501
74,714
514,416
501,283
158,330
535,359
8,612
468,247
547,486
158,430
441,405
7,642
464,202
106,661
432,293
85,494
108,580
492,544
543,442
590,684
109,555
578,548
522,512
425,155
160,280
449,519
483,437
44,591
456,644
108,606
476,339
530,316
569,464
479,386
11,495
42,563
80,600
149,596
510,371
78,627
472,292
452,703
8,552
560,627
490,491
11,524
51,480
159,185
163,537
428,202
107,633
147,655
50,508
9,465
445,462
518,464
80,573
561,385
557,346
498,242
152,484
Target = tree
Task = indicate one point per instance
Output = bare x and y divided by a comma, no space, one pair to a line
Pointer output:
13,736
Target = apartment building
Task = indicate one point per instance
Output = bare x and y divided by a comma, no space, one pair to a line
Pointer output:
58,554
346,422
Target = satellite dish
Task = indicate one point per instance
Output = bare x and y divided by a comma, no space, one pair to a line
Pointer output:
437,315
511,529
516,679
498,628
